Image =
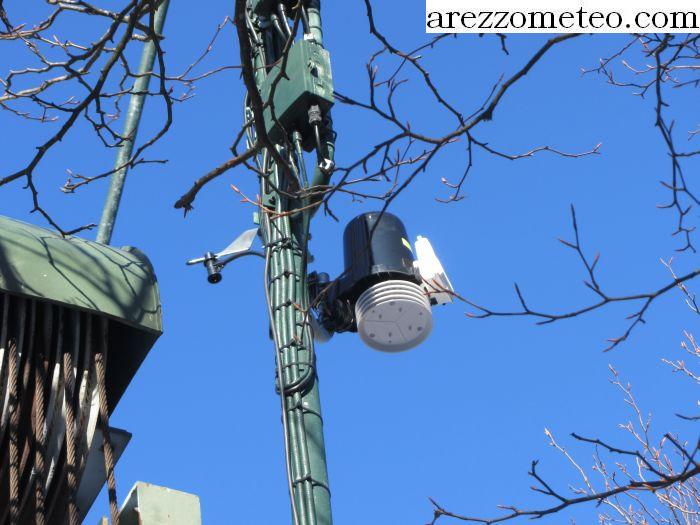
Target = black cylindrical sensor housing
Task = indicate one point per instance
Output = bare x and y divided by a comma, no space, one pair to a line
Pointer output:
376,249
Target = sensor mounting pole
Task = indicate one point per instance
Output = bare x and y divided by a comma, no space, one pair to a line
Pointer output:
131,126
285,216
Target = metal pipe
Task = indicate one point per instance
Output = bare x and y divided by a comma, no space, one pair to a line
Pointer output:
321,178
285,237
278,362
314,15
131,126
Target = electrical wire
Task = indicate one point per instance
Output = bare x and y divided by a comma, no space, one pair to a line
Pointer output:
262,165
286,288
283,19
278,26
280,378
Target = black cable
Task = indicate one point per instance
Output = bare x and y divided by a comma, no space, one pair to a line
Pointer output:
276,24
305,20
283,19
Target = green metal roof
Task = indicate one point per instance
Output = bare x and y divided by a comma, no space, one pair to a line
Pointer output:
118,283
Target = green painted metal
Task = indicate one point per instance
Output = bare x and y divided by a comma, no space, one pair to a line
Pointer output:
315,26
120,284
309,81
131,126
286,237
320,178
289,297
153,505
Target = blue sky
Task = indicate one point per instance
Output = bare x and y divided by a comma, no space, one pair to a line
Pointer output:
460,418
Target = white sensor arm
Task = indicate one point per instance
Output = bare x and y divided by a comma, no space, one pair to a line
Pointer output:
242,244
435,281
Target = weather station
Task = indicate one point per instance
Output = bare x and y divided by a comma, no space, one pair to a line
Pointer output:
389,287
78,317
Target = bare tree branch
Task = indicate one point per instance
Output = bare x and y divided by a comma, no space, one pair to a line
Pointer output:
646,299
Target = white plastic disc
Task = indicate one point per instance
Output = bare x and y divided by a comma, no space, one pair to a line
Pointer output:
393,316
391,295
391,292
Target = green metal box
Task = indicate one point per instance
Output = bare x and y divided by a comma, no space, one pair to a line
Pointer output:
308,81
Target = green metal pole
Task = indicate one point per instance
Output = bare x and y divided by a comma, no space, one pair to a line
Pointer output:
286,236
320,178
315,26
131,126
289,300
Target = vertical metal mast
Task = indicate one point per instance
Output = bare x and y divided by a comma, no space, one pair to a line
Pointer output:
285,232
131,126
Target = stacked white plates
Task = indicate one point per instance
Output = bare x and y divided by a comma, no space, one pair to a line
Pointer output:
393,316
